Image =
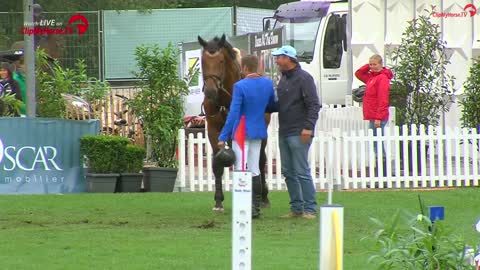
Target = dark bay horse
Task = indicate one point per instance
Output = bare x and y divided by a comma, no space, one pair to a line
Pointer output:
221,69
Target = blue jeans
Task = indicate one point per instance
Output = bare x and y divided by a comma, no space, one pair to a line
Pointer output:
371,125
295,168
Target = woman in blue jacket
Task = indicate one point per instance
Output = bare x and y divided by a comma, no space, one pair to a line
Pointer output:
252,96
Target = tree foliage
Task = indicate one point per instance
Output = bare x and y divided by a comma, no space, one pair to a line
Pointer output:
9,105
160,102
471,101
53,81
421,82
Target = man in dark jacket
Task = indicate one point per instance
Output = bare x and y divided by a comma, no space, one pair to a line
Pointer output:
298,107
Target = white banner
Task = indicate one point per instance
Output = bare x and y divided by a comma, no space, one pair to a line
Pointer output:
193,61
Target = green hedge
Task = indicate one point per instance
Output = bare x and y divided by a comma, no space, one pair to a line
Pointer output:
133,158
111,154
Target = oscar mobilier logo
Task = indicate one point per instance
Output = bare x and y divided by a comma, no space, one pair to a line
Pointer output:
31,161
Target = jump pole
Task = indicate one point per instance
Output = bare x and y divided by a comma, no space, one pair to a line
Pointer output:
242,221
242,209
331,225
331,237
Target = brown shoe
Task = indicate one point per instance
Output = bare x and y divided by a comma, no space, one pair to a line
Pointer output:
309,216
292,215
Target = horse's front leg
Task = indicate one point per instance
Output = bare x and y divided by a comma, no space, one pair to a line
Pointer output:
217,170
263,161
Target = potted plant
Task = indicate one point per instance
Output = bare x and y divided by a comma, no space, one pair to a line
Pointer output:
103,157
421,89
131,178
160,104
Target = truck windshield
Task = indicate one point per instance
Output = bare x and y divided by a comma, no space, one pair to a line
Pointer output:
301,35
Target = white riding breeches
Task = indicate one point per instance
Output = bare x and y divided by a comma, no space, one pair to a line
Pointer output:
252,156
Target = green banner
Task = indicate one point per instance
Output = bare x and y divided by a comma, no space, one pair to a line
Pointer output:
41,156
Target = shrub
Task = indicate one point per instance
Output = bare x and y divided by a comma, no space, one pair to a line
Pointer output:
411,242
421,82
160,103
54,80
104,154
133,158
471,101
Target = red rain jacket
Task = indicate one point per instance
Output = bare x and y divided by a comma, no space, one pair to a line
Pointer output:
377,92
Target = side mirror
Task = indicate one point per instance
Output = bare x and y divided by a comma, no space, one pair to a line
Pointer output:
266,27
267,23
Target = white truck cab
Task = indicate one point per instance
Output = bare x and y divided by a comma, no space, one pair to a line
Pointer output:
318,31
334,38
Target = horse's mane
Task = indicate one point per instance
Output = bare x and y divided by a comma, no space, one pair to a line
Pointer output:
237,54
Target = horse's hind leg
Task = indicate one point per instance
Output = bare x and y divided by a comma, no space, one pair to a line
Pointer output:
218,172
263,162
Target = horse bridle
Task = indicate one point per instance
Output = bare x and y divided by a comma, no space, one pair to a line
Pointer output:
219,84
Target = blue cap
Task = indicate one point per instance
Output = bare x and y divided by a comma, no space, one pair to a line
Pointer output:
286,50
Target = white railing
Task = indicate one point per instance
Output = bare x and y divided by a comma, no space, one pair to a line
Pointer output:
196,174
449,159
431,158
343,151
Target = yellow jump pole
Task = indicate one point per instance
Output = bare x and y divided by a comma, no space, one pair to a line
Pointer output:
331,237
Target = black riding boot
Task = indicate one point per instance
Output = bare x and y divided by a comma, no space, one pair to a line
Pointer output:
256,196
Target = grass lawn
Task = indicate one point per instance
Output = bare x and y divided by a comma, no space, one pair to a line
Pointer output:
179,230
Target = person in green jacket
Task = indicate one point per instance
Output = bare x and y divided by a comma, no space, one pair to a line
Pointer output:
19,76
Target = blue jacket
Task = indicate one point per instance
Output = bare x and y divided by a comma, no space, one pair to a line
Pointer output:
251,97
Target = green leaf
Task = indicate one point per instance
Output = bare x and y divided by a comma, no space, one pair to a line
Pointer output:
421,88
160,102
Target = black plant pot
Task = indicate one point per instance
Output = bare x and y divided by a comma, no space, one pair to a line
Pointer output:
159,179
129,182
101,183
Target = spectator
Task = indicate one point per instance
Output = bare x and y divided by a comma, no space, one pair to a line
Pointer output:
9,84
376,99
298,107
19,76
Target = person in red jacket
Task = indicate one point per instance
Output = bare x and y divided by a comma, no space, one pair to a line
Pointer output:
376,98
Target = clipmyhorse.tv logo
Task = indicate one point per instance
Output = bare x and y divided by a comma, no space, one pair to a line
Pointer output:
77,24
469,10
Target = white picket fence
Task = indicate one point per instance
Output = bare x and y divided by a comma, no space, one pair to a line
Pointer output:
438,159
342,151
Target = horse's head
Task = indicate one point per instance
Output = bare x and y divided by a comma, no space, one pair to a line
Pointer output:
214,65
